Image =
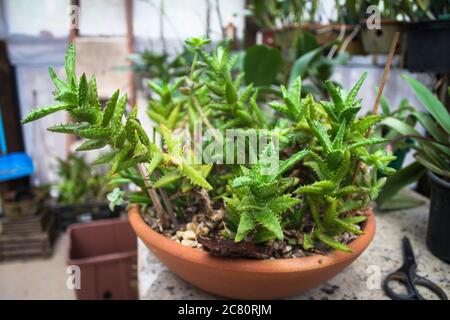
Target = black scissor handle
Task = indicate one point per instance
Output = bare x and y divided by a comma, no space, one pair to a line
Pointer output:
424,282
411,287
401,277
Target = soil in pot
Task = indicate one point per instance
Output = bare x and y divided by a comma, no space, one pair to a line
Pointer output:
438,235
209,232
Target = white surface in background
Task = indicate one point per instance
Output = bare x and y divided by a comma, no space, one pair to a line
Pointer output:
32,17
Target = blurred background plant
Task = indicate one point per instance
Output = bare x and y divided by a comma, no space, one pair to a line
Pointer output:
80,183
432,148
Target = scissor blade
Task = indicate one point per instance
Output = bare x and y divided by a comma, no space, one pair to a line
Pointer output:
408,251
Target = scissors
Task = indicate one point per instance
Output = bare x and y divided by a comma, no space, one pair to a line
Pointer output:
408,277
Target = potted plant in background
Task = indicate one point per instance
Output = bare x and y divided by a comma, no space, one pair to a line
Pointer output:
429,28
81,193
378,41
433,154
304,217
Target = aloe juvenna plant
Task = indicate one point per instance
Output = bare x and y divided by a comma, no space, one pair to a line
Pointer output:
324,181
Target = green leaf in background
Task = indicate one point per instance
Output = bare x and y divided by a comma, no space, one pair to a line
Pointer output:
399,180
261,65
430,102
301,64
306,43
402,200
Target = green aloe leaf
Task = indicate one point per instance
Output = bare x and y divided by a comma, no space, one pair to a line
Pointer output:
270,221
45,111
246,225
333,243
430,102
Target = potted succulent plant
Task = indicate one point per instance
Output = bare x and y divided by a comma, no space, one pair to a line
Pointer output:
81,193
287,218
433,154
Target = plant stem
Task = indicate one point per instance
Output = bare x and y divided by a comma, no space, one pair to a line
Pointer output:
153,195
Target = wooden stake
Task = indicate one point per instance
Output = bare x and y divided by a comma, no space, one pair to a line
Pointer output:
387,68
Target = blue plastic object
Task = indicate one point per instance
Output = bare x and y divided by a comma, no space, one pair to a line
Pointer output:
14,165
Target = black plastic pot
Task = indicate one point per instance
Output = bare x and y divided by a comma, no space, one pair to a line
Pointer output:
69,214
438,235
429,46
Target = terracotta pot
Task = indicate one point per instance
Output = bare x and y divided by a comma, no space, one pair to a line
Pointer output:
247,278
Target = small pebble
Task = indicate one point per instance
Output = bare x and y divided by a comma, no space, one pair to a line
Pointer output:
179,234
191,226
189,235
287,249
189,243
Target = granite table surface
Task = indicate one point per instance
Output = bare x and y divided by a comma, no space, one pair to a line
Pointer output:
361,280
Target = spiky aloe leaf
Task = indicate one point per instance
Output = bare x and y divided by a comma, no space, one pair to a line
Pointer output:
246,224
330,213
261,236
85,114
95,133
362,125
242,181
355,219
308,242
110,108
350,205
173,117
59,84
67,97
92,144
83,90
70,63
68,128
321,134
318,187
119,110
45,111
350,227
283,203
339,138
333,243
367,142
269,220
336,96
105,158
288,163
167,179
354,91
194,176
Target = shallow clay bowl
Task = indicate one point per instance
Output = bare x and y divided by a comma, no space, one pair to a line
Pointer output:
247,278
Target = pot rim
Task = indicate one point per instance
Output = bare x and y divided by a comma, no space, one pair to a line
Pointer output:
433,176
289,265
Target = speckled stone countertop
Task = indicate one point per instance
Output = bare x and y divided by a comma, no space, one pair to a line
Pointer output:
358,281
